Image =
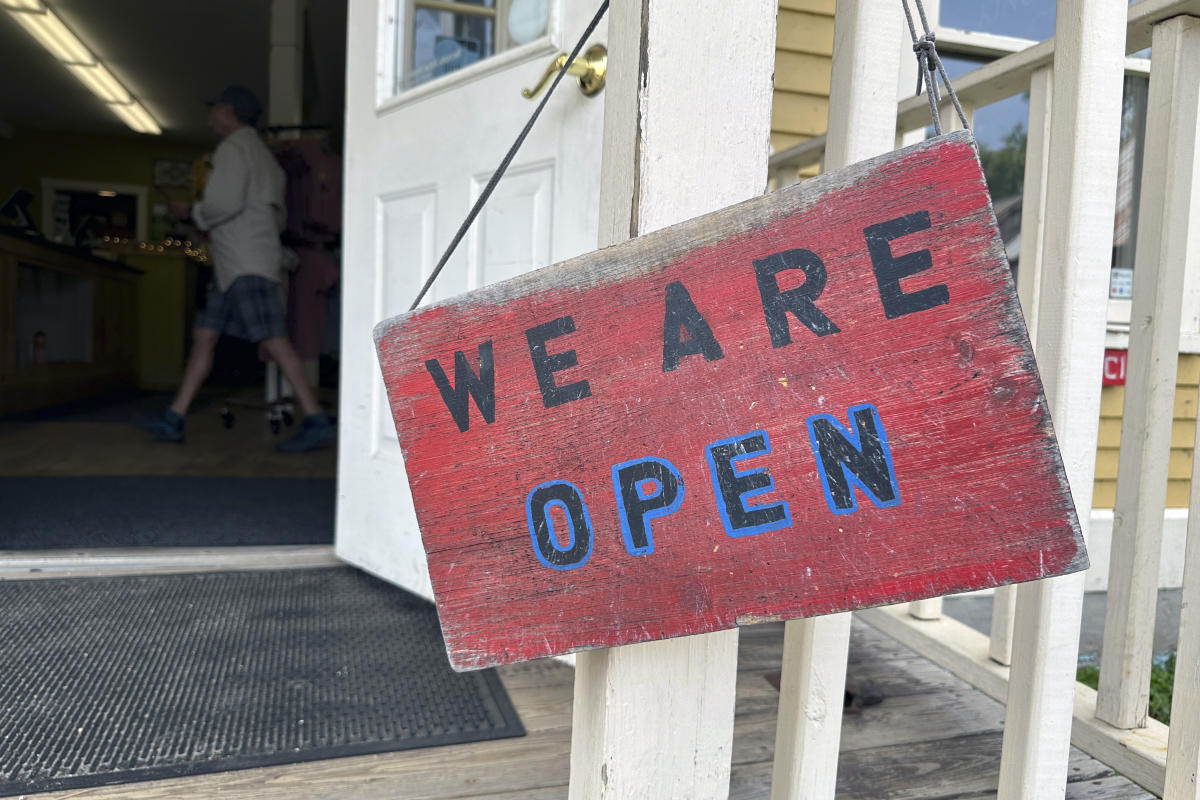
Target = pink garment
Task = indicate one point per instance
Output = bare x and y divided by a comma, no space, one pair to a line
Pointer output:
307,300
314,189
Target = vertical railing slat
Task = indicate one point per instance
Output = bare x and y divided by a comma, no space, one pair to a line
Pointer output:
1081,189
1029,276
1176,53
656,719
1183,743
1164,230
1033,203
862,124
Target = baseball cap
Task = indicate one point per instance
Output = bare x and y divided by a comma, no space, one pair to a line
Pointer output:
244,102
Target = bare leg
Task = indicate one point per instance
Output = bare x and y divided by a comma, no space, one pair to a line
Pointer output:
280,349
204,341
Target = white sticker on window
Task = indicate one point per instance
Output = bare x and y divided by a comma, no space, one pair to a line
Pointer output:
527,19
1120,283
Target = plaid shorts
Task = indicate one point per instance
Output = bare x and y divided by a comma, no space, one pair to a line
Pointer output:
249,309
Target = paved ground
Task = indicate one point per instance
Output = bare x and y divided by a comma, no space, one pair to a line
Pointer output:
976,611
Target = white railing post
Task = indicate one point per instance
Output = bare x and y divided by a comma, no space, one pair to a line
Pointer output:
1174,111
1029,276
1183,742
1089,60
655,720
862,124
1033,202
1168,216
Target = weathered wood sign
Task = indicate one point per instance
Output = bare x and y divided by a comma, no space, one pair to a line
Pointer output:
819,400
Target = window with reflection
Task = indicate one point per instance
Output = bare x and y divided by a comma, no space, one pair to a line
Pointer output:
444,36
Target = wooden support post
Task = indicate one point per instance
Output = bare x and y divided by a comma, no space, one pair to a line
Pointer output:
285,73
1089,60
1183,743
656,719
1004,618
1169,214
1029,276
862,123
285,106
1181,39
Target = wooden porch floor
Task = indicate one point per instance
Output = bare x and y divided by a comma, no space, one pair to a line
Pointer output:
933,736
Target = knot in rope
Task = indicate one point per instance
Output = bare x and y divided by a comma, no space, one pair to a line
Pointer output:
929,67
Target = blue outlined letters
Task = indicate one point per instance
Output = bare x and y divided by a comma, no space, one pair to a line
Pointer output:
645,488
734,488
849,459
856,457
566,496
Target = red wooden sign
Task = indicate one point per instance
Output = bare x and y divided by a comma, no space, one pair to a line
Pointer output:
1115,364
819,400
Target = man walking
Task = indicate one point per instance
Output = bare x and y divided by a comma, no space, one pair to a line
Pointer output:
243,211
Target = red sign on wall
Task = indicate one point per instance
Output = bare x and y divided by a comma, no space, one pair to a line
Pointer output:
819,400
1115,363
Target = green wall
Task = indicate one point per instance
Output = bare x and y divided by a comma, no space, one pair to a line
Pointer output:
31,155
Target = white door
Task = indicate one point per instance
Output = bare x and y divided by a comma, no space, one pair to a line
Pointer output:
433,101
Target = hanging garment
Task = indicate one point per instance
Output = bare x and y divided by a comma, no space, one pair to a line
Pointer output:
308,301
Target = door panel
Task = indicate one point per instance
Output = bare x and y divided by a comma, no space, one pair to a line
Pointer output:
406,223
415,161
513,230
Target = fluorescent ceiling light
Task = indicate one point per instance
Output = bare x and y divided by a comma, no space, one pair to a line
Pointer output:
53,35
50,32
102,83
106,193
136,117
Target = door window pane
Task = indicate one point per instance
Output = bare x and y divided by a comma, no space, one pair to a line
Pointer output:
443,36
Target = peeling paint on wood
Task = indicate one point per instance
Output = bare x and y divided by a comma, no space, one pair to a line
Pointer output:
819,400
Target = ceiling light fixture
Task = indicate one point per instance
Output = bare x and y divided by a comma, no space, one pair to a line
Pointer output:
102,83
43,25
136,117
22,5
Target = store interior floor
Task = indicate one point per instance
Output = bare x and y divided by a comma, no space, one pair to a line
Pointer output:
85,476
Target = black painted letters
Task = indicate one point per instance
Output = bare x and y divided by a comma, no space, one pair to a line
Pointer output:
545,365
681,314
777,304
481,387
890,269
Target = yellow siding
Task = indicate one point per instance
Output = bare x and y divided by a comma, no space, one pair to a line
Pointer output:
803,51
802,72
1183,432
805,32
815,6
803,114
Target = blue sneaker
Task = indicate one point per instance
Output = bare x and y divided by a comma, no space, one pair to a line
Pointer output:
166,427
317,431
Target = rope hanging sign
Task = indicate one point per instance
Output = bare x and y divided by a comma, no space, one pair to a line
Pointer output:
930,67
815,401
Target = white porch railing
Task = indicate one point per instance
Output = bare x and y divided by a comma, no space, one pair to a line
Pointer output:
1067,222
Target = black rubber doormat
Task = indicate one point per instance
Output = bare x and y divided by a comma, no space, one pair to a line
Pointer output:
114,680
164,511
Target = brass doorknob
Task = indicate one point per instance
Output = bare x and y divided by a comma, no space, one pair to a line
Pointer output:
589,68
